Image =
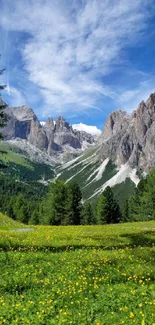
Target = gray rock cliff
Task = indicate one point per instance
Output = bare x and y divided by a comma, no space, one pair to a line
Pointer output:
125,138
53,138
131,138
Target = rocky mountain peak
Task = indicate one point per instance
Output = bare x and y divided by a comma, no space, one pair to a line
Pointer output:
56,138
23,113
115,122
150,103
49,123
62,125
131,138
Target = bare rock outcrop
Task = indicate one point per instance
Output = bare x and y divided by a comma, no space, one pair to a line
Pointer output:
53,137
131,138
125,138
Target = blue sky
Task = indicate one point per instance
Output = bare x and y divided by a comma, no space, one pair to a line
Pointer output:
81,59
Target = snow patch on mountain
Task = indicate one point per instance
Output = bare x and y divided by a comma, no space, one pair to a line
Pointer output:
101,169
124,172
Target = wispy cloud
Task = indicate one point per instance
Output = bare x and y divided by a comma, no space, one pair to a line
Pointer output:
69,47
130,99
15,96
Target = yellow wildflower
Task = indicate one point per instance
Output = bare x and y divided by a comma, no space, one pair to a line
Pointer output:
132,315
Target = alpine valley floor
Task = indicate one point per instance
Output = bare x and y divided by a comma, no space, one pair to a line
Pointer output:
77,275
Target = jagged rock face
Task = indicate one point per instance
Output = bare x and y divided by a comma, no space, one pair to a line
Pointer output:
37,136
124,138
24,124
116,121
65,135
52,138
61,125
19,123
84,136
49,130
131,138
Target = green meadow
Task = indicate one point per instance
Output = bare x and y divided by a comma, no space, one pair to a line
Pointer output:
81,275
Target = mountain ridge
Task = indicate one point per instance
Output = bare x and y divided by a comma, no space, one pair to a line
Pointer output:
57,139
131,138
124,150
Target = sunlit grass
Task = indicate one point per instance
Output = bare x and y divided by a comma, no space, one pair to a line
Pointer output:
8,223
86,275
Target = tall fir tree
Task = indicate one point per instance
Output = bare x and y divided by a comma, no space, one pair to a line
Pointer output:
125,211
88,217
34,219
107,209
101,210
56,208
141,205
21,209
76,205
146,209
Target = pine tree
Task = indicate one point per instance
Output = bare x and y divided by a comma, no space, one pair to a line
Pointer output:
88,217
108,210
101,208
141,205
76,204
56,208
125,211
34,220
21,209
146,208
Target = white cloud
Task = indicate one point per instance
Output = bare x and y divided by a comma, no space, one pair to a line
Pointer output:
72,45
87,128
130,99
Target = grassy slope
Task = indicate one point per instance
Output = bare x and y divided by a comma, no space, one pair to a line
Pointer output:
8,223
13,154
94,275
19,166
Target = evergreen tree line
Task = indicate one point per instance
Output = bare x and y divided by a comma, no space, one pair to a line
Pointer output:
141,205
19,200
62,204
58,204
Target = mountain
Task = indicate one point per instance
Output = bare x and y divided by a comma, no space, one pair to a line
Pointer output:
122,153
131,138
125,150
57,139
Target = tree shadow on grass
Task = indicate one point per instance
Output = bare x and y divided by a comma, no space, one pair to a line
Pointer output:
141,239
114,242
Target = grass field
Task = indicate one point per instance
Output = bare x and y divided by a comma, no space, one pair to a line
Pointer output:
86,275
